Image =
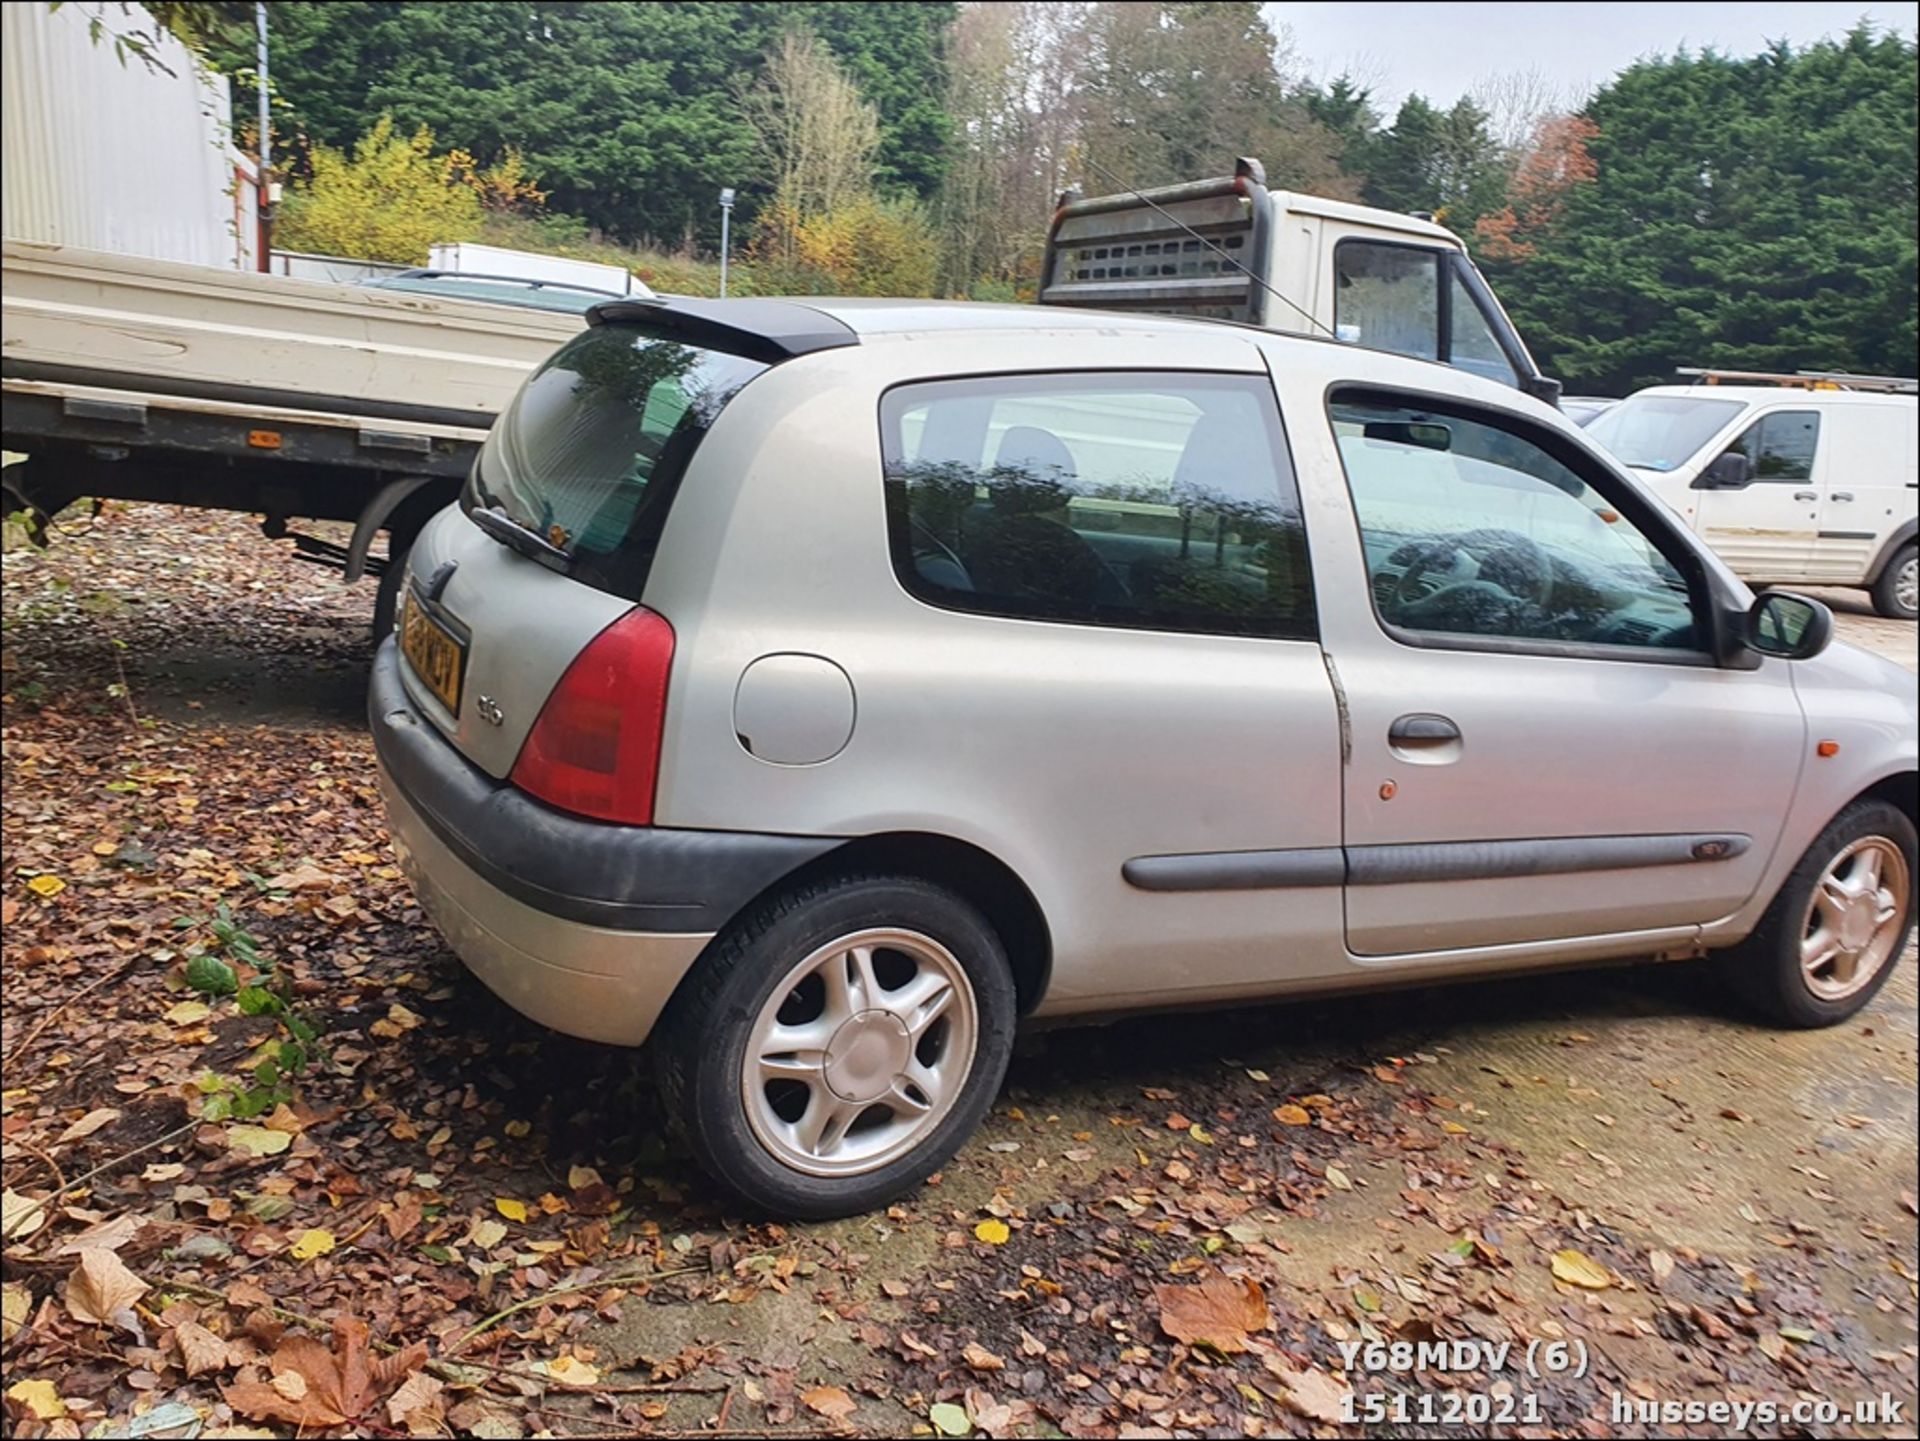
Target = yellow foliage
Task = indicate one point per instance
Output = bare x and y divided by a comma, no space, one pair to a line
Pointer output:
390,200
867,246
504,187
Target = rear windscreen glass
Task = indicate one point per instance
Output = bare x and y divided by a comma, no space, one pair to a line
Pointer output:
589,453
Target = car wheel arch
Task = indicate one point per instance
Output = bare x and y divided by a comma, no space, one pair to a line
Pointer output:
974,874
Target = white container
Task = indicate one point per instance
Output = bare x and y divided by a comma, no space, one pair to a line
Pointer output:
116,155
465,258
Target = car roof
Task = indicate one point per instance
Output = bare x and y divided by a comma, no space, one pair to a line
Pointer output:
776,328
867,316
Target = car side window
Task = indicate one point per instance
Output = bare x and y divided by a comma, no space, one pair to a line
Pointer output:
1473,529
1163,502
1781,446
1387,297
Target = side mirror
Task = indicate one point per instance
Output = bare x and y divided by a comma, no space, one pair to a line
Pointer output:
1792,627
1541,387
1731,471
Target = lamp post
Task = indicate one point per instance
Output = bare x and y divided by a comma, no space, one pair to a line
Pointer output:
726,235
263,185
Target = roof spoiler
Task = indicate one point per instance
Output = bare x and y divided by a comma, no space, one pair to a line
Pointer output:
769,331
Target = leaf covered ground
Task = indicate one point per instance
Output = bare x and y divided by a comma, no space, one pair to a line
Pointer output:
275,1165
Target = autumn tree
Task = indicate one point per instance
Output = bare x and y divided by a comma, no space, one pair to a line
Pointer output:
390,199
814,131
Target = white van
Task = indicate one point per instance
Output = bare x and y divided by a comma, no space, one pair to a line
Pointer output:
1787,484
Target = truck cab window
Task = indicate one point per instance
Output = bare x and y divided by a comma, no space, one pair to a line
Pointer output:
1387,297
1474,346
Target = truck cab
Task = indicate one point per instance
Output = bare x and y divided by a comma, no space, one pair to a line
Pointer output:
1231,249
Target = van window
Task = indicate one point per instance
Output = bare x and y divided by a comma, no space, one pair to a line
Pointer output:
1661,432
592,448
1160,502
1781,446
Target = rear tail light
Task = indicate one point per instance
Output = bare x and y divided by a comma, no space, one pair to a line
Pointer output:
595,750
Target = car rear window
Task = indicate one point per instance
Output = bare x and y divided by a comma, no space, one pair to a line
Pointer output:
591,450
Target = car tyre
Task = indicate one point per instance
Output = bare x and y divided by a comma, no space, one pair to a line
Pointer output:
1783,970
1896,594
771,1052
386,598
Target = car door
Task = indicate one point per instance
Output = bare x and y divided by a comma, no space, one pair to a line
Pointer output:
1767,528
1541,750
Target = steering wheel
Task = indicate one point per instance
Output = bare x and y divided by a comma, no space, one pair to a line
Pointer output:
1509,564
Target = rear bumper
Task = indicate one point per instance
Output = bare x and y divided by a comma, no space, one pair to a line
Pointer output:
583,926
586,981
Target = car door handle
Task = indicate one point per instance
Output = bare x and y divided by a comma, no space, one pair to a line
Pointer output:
1843,495
1812,495
1422,728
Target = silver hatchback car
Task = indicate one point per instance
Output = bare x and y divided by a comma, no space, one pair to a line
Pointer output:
821,688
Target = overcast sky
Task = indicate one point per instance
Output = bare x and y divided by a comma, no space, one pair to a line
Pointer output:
1442,50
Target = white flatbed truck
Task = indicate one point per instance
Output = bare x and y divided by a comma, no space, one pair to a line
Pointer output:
128,378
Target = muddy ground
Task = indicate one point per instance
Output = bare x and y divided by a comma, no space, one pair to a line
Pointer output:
1738,1202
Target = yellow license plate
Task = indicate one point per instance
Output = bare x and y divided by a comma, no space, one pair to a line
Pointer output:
436,654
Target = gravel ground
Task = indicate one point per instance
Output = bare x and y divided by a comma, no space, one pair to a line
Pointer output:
1748,1194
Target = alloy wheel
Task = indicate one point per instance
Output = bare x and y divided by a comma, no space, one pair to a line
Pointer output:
859,1052
1855,919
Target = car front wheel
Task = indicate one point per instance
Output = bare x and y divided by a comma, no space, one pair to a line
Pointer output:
836,1046
1836,930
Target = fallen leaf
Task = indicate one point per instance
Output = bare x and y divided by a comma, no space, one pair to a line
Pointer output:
258,1140
570,1370
1662,1265
1220,1312
100,1285
949,1420
314,1386
187,1013
20,1216
1338,1179
513,1210
1292,1115
398,1021
581,1177
981,1359
419,1405
994,1233
1577,1270
1312,1392
311,1243
486,1234
303,878
16,1304
40,1397
200,1350
829,1401
47,887
90,1123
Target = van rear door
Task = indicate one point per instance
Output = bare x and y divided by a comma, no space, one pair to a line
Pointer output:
1867,489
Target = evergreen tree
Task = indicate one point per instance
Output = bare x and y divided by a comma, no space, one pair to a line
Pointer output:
1754,214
